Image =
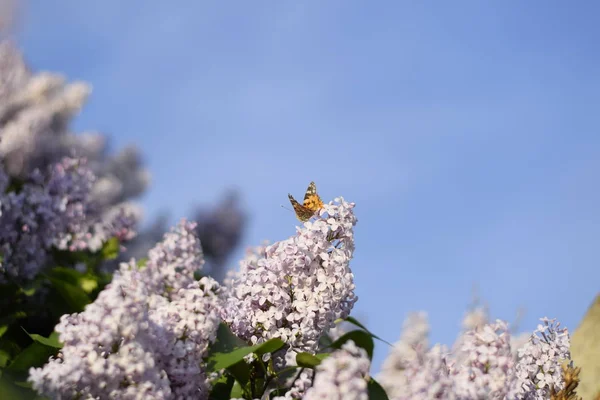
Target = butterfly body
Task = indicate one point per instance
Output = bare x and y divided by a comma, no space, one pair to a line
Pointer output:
311,204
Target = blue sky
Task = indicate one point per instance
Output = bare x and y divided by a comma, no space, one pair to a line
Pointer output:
467,133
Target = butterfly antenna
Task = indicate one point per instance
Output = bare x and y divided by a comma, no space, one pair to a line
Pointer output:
282,206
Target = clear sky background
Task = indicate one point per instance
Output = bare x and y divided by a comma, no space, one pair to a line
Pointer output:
467,133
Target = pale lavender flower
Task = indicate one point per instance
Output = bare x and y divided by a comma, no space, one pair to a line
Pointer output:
301,285
172,263
342,376
487,368
187,326
538,369
145,336
108,348
413,340
35,113
45,209
428,377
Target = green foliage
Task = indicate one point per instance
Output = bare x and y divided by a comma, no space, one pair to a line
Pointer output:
51,341
376,392
218,361
29,312
361,338
354,321
307,360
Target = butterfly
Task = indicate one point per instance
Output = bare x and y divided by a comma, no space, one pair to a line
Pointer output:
311,204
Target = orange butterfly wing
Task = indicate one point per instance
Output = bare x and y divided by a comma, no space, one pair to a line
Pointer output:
311,204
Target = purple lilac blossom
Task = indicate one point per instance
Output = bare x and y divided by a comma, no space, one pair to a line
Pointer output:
487,367
145,336
300,286
48,207
538,368
35,114
414,339
428,376
342,376
482,367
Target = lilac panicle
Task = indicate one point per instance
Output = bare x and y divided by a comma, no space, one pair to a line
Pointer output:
480,366
538,369
145,336
299,286
343,375
413,340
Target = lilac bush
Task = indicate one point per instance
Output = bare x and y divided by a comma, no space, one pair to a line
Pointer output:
482,364
300,286
152,332
160,328
146,334
52,209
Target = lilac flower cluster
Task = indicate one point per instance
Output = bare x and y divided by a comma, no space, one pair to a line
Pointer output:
488,366
52,208
427,376
300,286
481,366
342,376
41,214
414,340
35,113
108,348
145,336
538,369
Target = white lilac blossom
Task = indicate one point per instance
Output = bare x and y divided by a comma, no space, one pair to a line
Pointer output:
414,339
487,367
298,384
35,113
538,369
187,326
219,229
427,376
301,285
482,367
52,209
107,349
42,213
342,376
172,263
145,336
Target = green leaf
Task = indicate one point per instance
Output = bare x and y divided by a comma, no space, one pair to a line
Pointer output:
376,392
236,391
225,360
354,321
360,338
4,357
51,341
111,249
35,355
241,372
221,389
307,360
73,295
141,263
68,275
226,341
9,390
3,329
270,346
